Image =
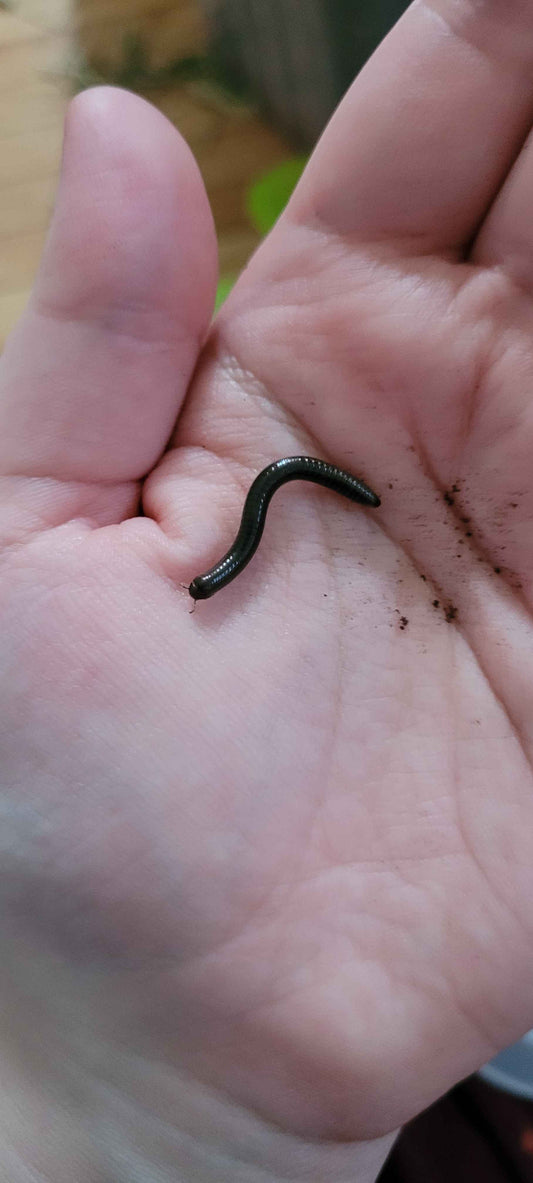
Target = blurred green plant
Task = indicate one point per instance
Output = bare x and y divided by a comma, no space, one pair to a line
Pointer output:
224,287
266,199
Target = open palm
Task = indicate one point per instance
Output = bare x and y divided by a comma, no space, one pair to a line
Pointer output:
280,846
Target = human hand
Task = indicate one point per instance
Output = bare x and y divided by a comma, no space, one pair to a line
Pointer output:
275,855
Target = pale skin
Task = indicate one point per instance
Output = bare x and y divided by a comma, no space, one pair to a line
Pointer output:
266,868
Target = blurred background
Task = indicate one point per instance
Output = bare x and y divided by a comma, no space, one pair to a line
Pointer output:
250,84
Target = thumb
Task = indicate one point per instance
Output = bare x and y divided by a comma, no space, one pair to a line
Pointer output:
92,378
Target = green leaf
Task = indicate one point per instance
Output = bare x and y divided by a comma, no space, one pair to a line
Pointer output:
267,197
225,285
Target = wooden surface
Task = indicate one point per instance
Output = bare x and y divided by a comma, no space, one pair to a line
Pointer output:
41,45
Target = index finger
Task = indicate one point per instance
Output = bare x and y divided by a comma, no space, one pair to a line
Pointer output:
429,129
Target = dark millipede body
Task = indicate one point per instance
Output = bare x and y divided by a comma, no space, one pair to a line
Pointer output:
292,468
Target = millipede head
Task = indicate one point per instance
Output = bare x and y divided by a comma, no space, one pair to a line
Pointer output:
198,589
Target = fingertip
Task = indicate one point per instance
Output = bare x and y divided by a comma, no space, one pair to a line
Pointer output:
95,374
132,214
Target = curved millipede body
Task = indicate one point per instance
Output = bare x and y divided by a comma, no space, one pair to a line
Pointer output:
292,468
